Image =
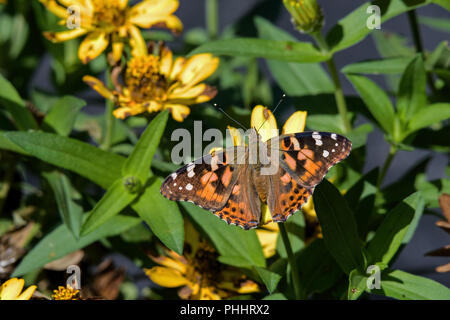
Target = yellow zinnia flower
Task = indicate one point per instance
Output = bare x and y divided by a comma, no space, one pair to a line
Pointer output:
66,293
198,272
11,290
264,121
110,21
157,82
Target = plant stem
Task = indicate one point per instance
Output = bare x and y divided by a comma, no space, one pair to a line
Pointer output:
291,258
414,25
383,172
109,117
212,18
338,93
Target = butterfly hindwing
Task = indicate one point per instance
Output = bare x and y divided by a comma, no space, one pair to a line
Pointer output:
243,207
285,196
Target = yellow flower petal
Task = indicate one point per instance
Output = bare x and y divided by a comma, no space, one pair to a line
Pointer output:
264,122
236,136
26,295
117,50
65,35
127,111
179,111
197,68
166,61
166,277
177,67
268,240
92,46
308,209
266,216
98,86
55,8
295,123
11,289
186,92
156,12
137,42
170,263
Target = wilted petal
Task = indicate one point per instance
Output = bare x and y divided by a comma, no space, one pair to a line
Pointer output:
92,46
295,123
156,12
170,263
165,65
177,67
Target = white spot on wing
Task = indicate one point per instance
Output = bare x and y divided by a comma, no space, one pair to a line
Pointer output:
325,153
318,142
173,175
191,173
189,187
333,136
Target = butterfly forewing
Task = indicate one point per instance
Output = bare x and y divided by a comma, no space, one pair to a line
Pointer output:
207,181
308,156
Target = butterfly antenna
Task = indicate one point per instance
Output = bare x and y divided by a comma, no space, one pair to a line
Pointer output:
230,117
275,109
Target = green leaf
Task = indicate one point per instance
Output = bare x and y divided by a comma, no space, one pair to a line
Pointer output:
61,242
411,97
7,144
443,3
405,286
113,201
440,53
358,136
162,215
275,296
353,28
382,66
376,101
62,115
260,48
139,162
430,115
295,79
240,247
389,235
101,167
269,278
357,284
295,228
318,270
439,24
71,212
338,227
11,100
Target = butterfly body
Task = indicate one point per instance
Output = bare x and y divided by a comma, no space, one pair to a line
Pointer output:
281,172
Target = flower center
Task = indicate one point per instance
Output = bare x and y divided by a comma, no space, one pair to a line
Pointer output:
108,14
144,80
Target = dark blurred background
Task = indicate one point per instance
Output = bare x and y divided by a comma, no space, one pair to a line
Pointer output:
427,237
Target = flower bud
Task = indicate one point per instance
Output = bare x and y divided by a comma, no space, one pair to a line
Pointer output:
306,15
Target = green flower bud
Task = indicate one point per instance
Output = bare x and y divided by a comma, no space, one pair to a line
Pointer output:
132,184
306,15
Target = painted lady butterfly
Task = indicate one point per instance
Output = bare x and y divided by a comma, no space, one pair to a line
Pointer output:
233,189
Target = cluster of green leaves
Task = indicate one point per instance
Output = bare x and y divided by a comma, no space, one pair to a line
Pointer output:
102,194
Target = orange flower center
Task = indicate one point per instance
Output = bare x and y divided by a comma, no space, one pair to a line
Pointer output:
144,80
